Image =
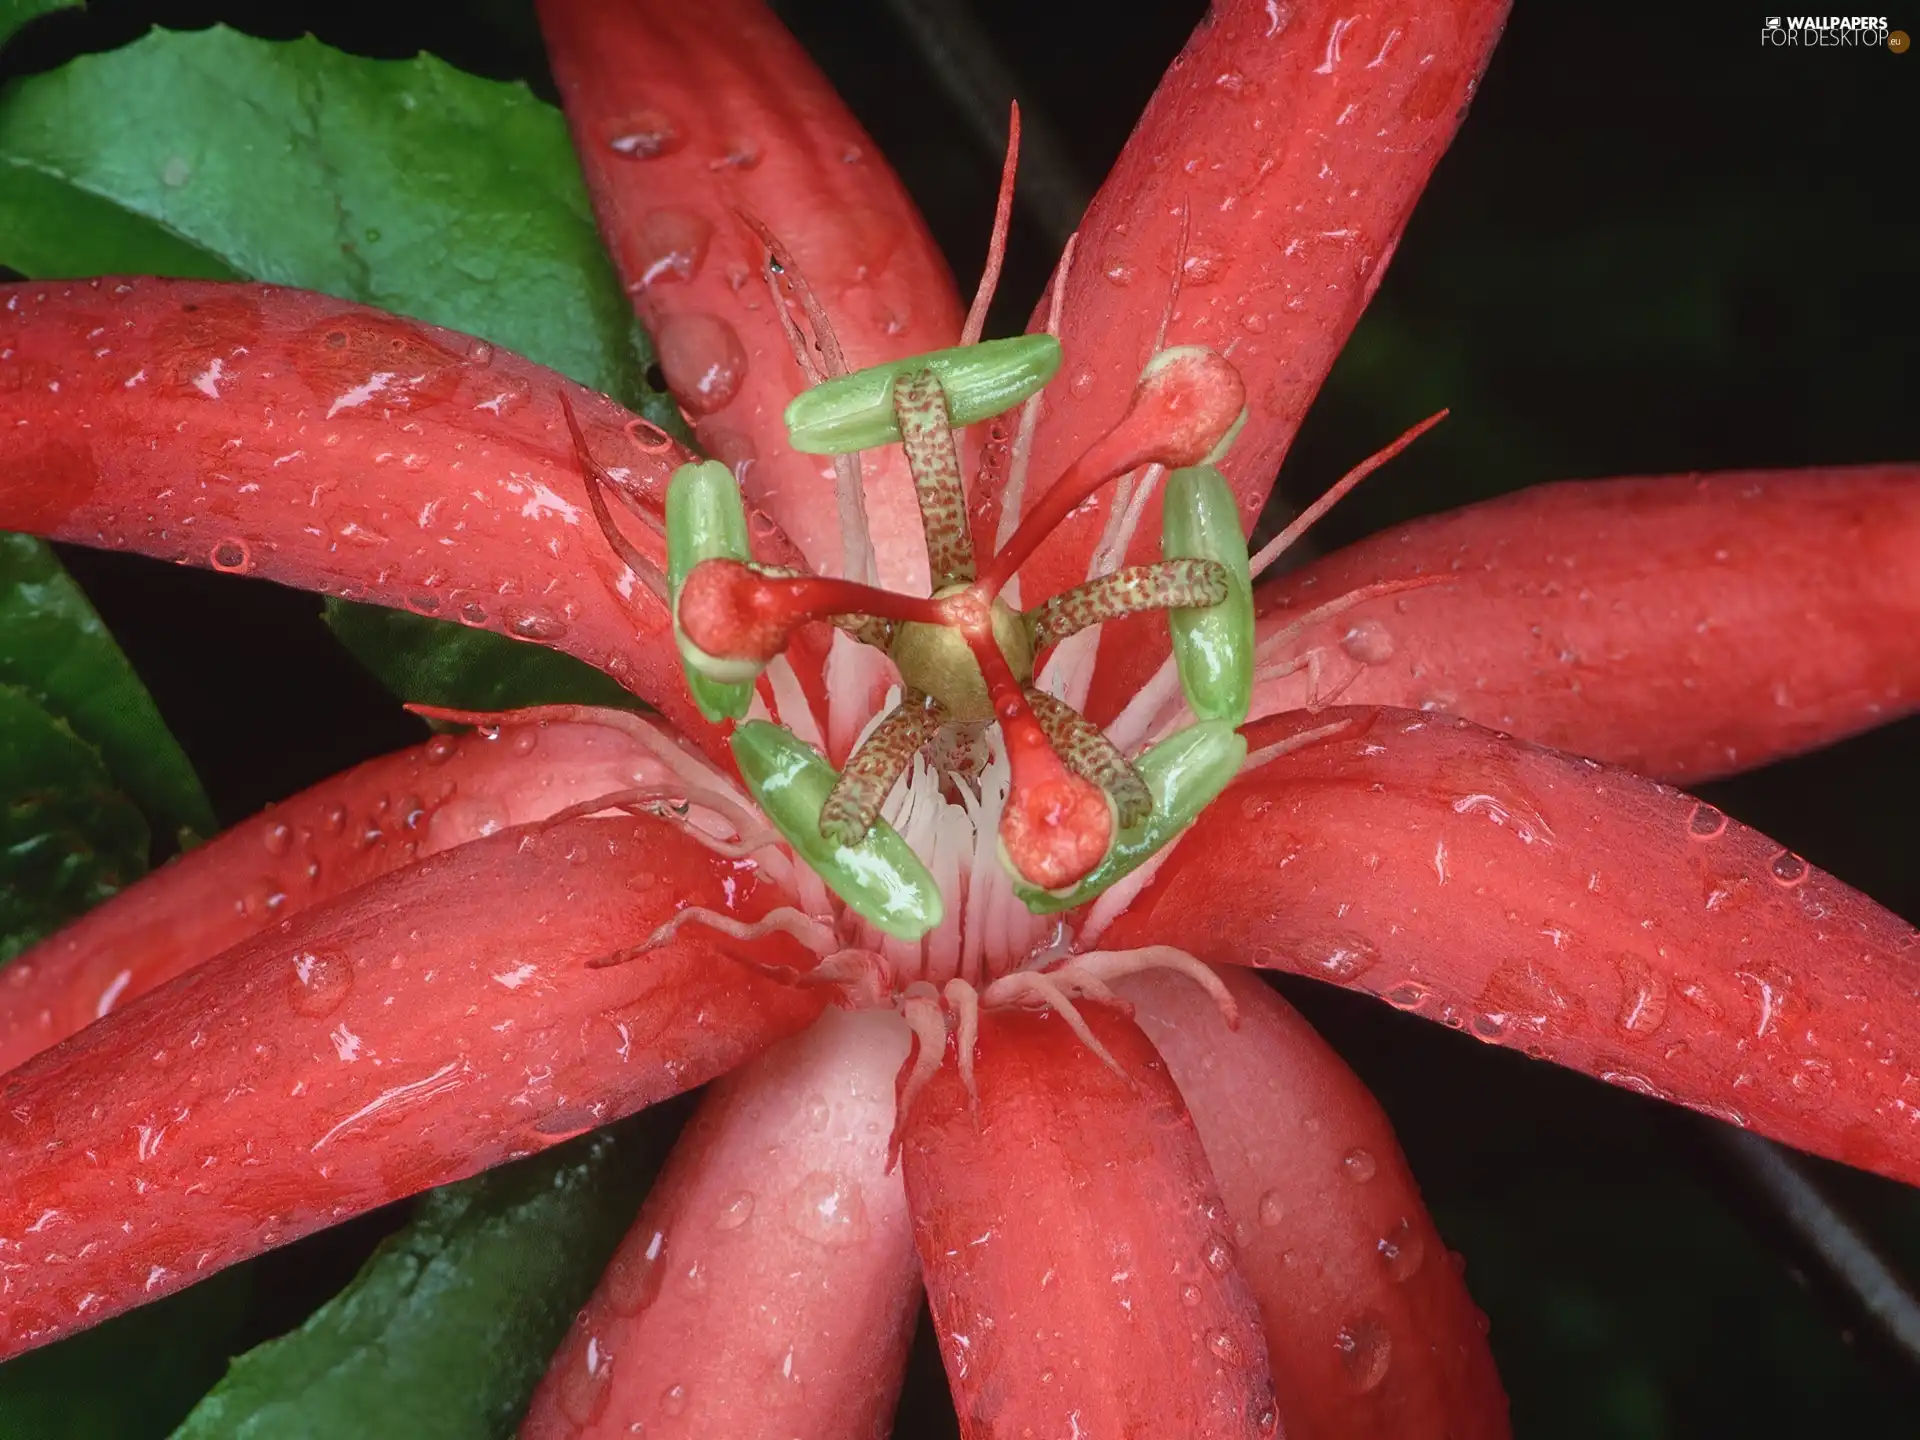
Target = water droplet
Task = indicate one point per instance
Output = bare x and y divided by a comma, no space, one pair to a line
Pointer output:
440,749
1253,323
633,1280
480,353
1366,1350
644,135
829,1209
319,983
1081,384
673,1400
1403,1251
586,1380
1706,822
669,246
702,359
1225,1348
278,838
473,614
733,448
1202,266
1190,1295
1788,869
1339,957
531,624
818,1112
1218,1254
1489,1027
1407,997
1643,996
1120,273
739,155
1272,1209
735,1211
231,556
1359,1165
1369,642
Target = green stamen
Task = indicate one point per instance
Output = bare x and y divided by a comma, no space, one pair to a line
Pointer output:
855,412
1212,647
705,521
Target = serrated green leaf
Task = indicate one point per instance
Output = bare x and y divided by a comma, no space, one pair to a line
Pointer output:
447,1329
15,13
435,662
68,838
405,184
55,649
160,1359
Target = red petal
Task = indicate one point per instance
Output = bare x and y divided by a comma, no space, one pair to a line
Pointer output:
433,1023
1288,144
1369,1330
686,115
1566,908
1073,1244
1684,627
319,845
332,447
769,1286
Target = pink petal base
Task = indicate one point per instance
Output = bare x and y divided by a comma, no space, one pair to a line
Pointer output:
1076,1251
434,1023
1370,1331
769,1286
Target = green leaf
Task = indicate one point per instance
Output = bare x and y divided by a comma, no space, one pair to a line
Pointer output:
435,662
447,1329
68,838
55,649
157,1361
400,183
15,13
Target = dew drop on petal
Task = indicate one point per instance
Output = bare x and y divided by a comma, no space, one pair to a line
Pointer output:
1402,1251
1706,822
318,984
1224,1347
586,1380
1218,1254
1366,1350
633,1280
1359,1165
703,360
673,1400
1643,996
231,556
829,1209
1272,1209
1787,869
735,1211
1369,642
644,135
278,839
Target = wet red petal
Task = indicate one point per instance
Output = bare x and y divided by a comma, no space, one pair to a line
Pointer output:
1288,144
435,1022
333,447
1371,1334
684,115
1566,908
1684,627
319,845
769,1286
1077,1256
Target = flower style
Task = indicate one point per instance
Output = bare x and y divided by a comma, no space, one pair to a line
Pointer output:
1103,1126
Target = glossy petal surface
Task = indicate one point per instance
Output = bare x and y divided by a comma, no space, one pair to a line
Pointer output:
685,117
397,1039
1269,177
329,446
1685,627
1371,1334
769,1286
1078,1259
1566,908
319,845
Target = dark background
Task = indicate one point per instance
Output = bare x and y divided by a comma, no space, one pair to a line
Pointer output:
1657,246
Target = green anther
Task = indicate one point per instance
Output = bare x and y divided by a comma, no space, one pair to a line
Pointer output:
1185,772
855,412
705,521
1213,647
881,877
